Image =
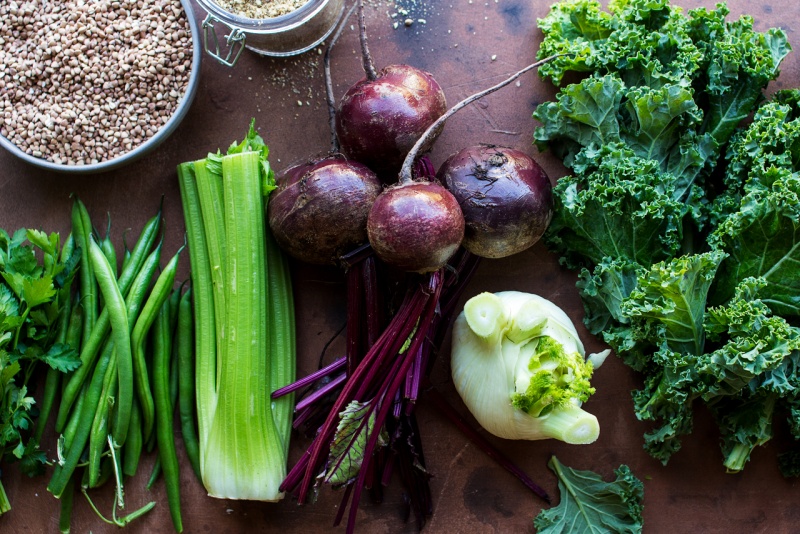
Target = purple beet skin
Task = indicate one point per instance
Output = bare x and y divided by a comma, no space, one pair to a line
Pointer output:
505,196
379,121
319,209
415,226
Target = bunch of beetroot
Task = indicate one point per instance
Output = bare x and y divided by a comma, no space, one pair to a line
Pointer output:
374,206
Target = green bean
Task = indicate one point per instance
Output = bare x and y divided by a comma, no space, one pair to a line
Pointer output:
159,294
154,473
140,288
133,445
126,257
99,432
90,399
73,337
173,374
75,417
65,517
164,416
174,303
53,377
184,336
107,246
88,288
120,332
140,256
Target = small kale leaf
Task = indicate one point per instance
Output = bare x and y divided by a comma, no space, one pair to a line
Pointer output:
589,504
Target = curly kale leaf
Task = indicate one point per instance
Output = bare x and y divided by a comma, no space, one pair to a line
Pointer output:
666,340
671,87
624,210
590,504
769,149
745,422
603,290
762,239
651,122
667,307
645,41
755,346
738,64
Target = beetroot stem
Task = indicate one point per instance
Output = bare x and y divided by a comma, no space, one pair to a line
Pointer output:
321,392
433,291
330,369
329,83
369,65
387,396
373,305
405,170
355,312
355,383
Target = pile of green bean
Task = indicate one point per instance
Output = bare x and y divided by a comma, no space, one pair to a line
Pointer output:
133,330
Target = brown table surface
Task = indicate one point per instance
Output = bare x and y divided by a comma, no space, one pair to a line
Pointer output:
469,45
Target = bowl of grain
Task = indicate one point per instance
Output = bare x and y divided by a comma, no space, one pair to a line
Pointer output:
90,85
276,28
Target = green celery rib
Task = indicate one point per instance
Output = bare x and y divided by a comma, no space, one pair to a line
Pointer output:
282,341
244,459
203,300
210,194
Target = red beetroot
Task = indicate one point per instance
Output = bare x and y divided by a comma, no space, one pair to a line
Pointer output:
319,210
415,226
506,198
379,120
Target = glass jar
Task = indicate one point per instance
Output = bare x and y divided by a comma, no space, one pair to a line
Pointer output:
287,35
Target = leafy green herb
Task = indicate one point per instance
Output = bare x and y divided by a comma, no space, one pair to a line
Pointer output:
589,504
32,293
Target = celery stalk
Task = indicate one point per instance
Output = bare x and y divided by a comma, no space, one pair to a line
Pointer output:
282,338
244,457
203,300
210,193
247,302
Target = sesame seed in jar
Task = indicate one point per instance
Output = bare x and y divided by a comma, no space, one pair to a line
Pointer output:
260,9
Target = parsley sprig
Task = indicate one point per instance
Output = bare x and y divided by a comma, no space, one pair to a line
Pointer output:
35,276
